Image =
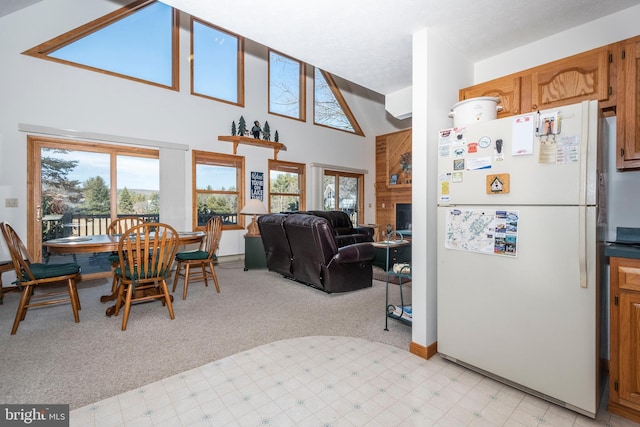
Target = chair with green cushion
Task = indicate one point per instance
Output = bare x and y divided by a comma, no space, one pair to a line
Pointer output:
30,275
146,254
203,258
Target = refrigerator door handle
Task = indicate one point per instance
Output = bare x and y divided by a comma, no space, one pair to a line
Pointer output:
582,246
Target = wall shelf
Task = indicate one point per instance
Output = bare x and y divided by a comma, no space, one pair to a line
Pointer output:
276,146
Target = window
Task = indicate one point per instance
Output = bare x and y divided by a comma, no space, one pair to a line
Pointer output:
329,107
218,188
216,63
344,191
286,186
287,95
99,180
137,42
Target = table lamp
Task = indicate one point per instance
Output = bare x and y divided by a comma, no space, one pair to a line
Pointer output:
253,207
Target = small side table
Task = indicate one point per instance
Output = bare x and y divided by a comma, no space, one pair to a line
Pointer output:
387,254
254,256
4,267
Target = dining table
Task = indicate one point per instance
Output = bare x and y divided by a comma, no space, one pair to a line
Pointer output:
107,243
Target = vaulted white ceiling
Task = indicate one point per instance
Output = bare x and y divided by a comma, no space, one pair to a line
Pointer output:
369,41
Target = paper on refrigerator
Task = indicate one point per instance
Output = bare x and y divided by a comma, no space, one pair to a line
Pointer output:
482,230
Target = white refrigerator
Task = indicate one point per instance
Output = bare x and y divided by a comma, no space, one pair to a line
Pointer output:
519,249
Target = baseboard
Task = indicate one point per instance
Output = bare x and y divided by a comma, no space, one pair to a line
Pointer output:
422,351
230,258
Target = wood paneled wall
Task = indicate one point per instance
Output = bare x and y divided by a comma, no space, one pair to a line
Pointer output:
391,151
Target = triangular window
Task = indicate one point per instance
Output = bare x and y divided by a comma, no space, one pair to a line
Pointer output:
138,41
329,107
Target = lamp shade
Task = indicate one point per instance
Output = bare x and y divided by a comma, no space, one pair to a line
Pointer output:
254,207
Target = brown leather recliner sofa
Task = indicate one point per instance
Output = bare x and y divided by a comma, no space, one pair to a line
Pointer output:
343,229
304,247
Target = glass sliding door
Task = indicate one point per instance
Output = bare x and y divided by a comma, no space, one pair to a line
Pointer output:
343,191
74,183
77,189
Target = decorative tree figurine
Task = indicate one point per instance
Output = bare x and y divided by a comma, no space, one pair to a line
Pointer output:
266,132
276,138
233,128
242,126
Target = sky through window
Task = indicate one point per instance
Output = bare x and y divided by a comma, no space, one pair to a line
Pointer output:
139,45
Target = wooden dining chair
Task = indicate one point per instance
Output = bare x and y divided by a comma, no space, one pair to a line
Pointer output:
146,254
30,275
204,258
119,226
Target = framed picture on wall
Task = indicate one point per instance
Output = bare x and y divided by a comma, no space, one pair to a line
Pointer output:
393,180
257,185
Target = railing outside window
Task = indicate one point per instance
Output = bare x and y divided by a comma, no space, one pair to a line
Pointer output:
56,226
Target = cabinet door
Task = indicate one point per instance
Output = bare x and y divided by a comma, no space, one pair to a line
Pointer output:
624,370
570,80
508,89
628,113
629,348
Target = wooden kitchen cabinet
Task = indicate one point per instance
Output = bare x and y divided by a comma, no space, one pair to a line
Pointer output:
507,89
580,77
609,74
624,352
628,105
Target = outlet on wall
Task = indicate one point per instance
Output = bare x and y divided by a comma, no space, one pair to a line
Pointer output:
11,203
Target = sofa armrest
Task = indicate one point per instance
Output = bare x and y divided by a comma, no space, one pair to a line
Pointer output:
351,239
369,231
357,252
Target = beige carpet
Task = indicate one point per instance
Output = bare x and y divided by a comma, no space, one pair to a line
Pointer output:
54,360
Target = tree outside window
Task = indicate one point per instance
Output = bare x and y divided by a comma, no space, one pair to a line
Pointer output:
343,191
218,188
286,86
329,106
286,186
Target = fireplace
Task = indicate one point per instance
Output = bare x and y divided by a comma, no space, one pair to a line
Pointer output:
403,216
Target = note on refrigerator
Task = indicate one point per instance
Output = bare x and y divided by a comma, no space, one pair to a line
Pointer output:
523,133
568,149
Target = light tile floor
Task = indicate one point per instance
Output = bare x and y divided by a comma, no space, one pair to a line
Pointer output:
329,382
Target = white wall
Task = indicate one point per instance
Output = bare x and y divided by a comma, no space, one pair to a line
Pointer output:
438,72
45,93
603,31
